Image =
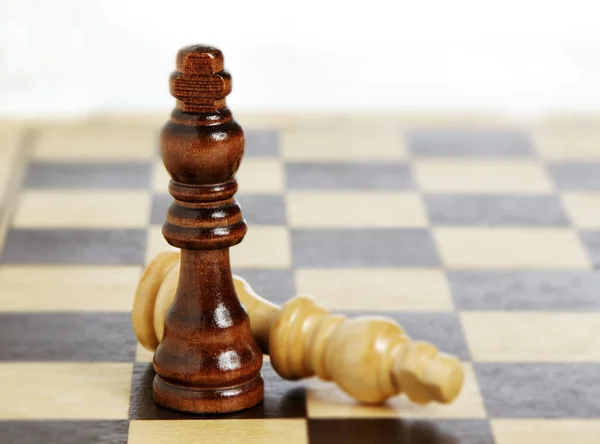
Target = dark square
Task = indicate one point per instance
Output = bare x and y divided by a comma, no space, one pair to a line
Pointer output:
332,176
276,286
549,390
569,290
576,175
263,209
261,143
160,204
469,143
64,432
75,247
92,175
441,329
106,337
363,248
495,210
591,241
396,431
283,399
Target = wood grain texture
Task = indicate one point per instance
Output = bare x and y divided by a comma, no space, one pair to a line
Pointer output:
251,431
207,361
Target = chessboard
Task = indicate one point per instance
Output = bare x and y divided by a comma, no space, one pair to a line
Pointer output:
478,233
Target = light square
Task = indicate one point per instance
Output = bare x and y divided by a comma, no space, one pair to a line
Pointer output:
68,288
253,121
346,144
95,142
156,242
250,431
376,289
83,209
265,246
532,337
568,142
63,391
510,248
260,175
583,208
328,209
481,176
160,177
10,138
546,431
325,400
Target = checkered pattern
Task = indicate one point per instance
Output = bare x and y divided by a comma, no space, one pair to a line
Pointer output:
481,236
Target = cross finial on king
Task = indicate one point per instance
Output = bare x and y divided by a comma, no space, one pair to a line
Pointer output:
200,82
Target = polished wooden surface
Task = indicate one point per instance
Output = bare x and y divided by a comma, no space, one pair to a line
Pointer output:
207,361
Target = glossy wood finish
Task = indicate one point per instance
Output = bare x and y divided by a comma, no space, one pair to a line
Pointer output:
370,358
207,361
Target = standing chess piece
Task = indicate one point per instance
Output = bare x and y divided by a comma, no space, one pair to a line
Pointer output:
207,361
370,358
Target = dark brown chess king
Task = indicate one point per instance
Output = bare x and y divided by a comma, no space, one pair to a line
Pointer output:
207,361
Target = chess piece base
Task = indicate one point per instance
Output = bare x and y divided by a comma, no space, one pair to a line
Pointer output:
208,400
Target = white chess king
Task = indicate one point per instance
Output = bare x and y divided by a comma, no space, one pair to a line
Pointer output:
369,358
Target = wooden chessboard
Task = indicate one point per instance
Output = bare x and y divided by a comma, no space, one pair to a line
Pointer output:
477,233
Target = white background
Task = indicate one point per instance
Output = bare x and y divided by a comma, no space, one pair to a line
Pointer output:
528,57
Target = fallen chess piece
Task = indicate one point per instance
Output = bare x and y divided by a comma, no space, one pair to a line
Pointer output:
370,358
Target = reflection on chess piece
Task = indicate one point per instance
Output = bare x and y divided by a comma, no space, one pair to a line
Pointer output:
370,358
207,360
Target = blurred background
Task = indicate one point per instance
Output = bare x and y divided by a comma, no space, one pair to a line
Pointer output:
65,57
